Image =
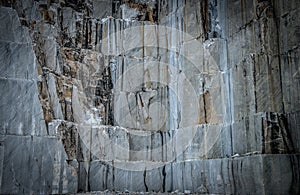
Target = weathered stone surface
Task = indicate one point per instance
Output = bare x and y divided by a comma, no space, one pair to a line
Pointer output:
102,8
46,156
11,29
17,60
290,77
288,24
208,176
31,162
293,124
154,97
21,112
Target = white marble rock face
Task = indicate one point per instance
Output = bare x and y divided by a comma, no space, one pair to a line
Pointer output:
143,96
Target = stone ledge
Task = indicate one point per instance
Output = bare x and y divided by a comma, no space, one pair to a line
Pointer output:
259,171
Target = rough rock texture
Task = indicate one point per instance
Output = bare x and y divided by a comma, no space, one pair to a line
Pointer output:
154,97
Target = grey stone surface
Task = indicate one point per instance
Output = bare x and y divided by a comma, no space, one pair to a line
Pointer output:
200,142
290,78
102,9
205,176
149,97
293,123
11,29
21,112
18,60
31,161
36,165
288,24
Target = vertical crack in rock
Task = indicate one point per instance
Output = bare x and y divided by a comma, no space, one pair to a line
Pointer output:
254,82
205,18
145,176
104,96
286,134
295,174
164,178
277,138
277,35
67,133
